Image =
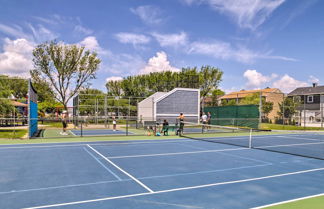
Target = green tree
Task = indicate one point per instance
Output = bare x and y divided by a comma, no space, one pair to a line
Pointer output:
206,79
209,79
215,95
43,87
288,108
67,68
267,107
254,99
229,102
114,88
11,86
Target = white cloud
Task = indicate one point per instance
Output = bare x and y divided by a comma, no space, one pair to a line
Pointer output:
123,64
14,31
91,43
225,51
150,15
247,14
256,79
287,83
16,58
313,79
158,63
177,39
132,38
42,34
114,78
82,29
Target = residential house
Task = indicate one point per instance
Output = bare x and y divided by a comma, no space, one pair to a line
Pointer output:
273,95
311,103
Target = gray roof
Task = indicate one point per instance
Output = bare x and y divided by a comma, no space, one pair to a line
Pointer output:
307,91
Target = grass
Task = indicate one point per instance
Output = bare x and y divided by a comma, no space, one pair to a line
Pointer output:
310,203
270,126
11,133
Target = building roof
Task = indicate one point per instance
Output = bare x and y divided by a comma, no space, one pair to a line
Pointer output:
160,95
307,91
245,93
154,96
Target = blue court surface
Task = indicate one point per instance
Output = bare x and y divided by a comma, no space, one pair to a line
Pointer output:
99,132
174,173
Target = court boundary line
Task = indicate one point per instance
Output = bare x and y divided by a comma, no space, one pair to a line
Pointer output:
122,170
63,187
103,143
286,145
114,140
177,189
176,153
288,201
304,138
107,169
72,133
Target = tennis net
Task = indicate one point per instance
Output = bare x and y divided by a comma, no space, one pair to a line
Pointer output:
218,134
299,143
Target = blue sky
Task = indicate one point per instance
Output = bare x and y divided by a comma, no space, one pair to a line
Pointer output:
256,43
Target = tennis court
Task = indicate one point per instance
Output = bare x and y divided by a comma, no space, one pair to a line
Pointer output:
173,173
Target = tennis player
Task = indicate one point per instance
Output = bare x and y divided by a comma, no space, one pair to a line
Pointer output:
181,119
64,122
114,123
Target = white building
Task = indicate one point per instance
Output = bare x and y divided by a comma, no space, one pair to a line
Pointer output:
168,105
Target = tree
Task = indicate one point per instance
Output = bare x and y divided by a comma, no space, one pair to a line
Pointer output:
215,95
254,99
67,68
288,108
43,87
267,107
114,88
209,79
11,86
229,102
206,79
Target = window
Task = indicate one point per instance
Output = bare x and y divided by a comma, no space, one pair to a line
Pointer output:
310,99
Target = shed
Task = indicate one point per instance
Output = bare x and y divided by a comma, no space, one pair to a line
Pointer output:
168,105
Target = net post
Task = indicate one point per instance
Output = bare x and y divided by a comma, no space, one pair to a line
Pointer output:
127,126
250,139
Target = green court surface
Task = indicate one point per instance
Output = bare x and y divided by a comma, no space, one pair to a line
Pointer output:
309,203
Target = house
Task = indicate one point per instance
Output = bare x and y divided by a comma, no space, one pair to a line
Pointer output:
273,95
168,105
311,101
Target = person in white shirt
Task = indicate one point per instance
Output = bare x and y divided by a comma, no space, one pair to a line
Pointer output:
114,123
204,120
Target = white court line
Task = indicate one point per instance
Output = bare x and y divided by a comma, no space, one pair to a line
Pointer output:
107,169
107,143
177,189
288,145
288,201
291,137
63,187
72,133
119,168
176,153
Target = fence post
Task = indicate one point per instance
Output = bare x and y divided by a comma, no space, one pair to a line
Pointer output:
304,111
260,109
